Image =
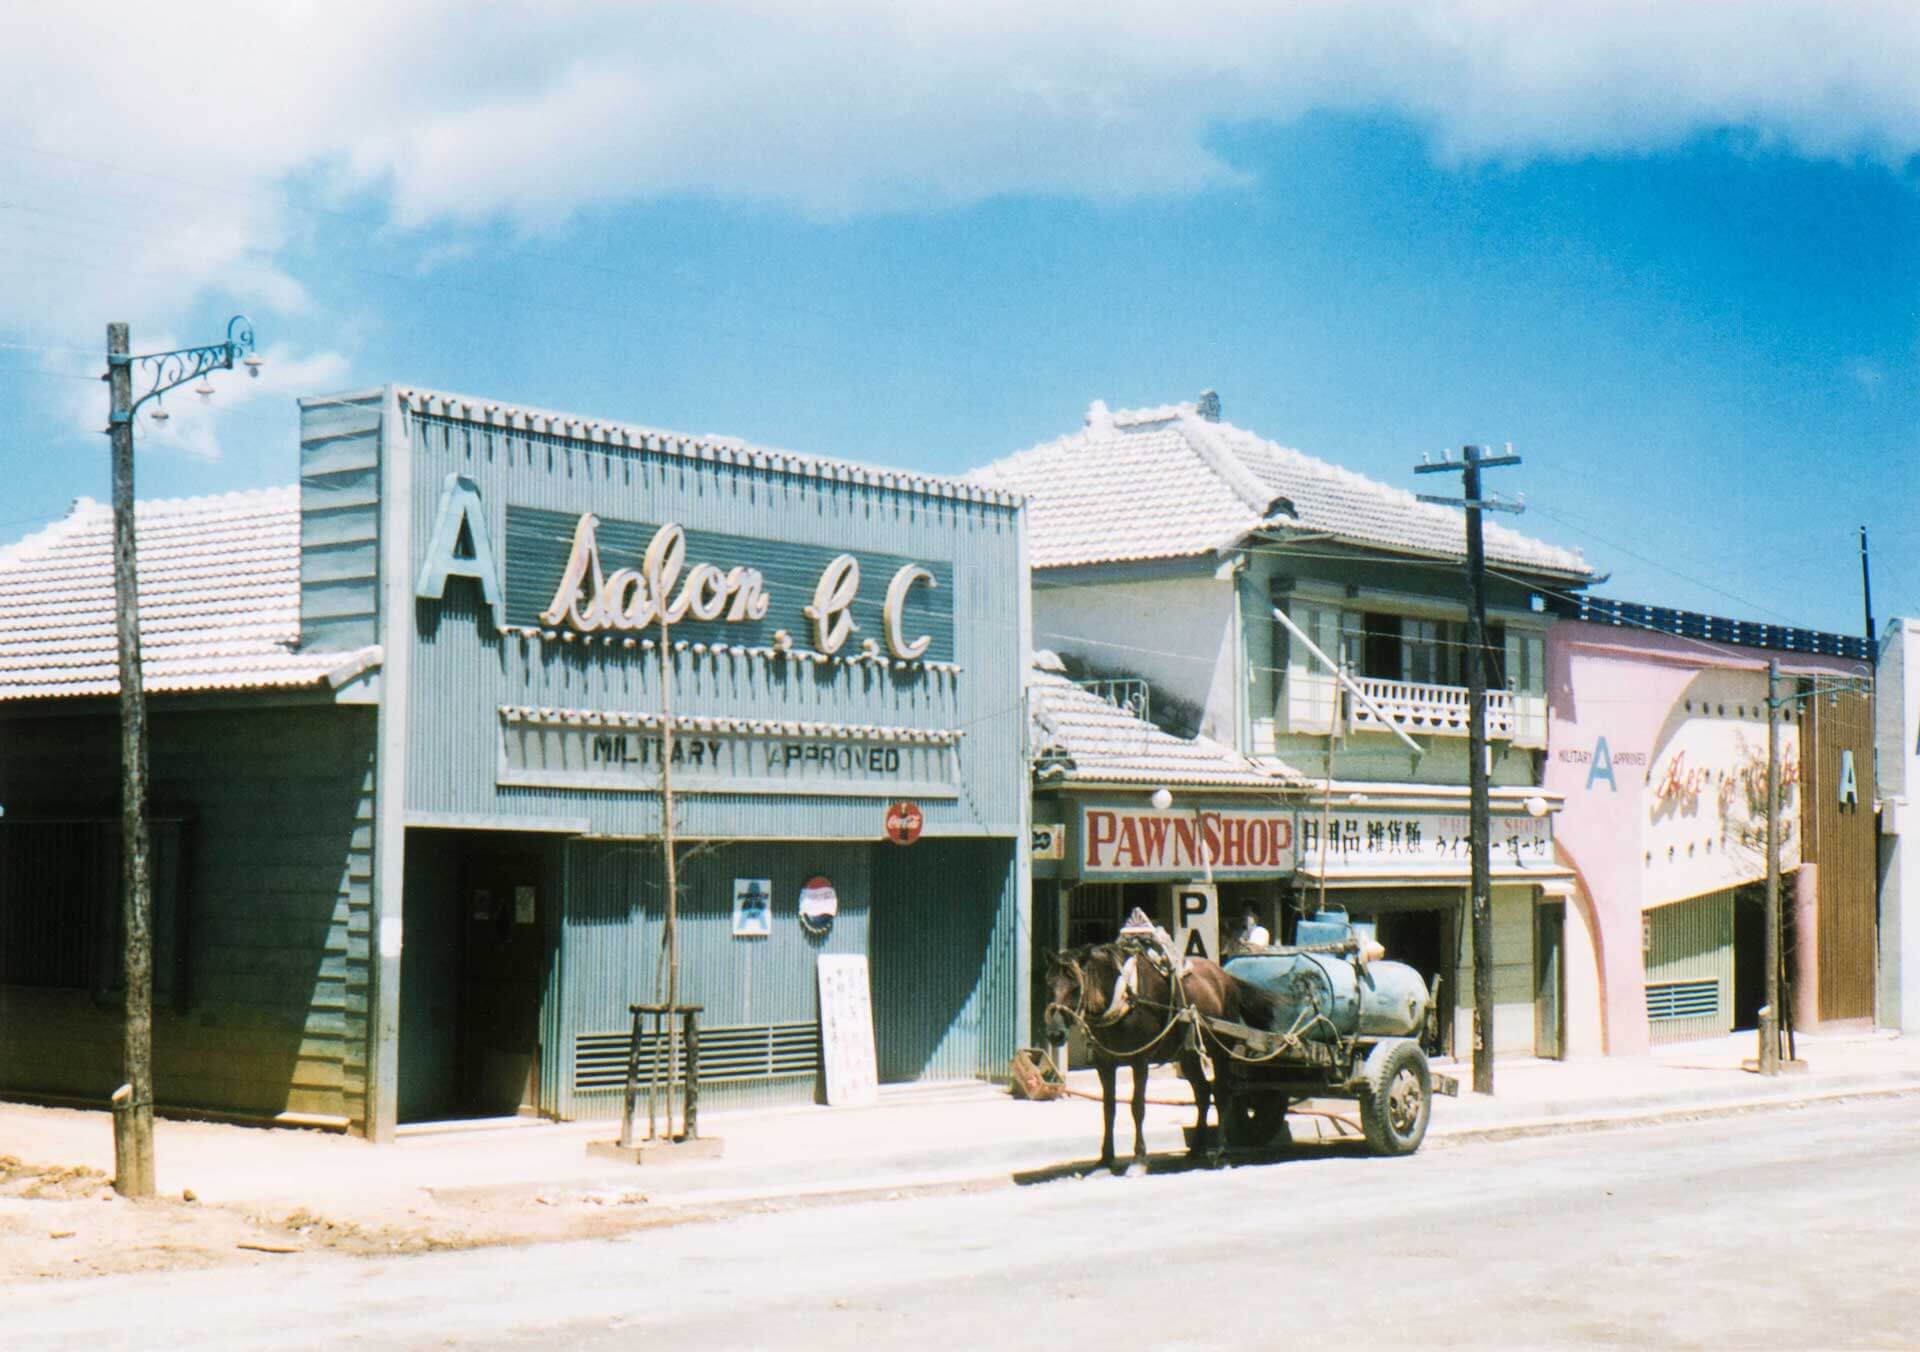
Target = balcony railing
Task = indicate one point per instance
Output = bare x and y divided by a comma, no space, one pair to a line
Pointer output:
1416,706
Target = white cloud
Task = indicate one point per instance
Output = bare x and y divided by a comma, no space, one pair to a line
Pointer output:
147,148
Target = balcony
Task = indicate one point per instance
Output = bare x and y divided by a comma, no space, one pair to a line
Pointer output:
1418,707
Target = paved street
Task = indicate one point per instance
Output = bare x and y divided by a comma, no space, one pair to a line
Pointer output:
1794,1228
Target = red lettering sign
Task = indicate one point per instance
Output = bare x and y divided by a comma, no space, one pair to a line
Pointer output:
1190,843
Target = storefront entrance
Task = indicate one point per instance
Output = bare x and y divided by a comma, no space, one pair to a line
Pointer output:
478,949
1421,931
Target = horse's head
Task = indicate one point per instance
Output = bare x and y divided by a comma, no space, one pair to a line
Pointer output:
1074,995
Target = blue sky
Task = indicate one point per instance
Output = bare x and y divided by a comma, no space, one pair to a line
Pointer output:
1692,303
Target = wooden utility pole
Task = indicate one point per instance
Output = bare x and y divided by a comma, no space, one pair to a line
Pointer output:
1866,593
1480,829
1770,1015
133,1105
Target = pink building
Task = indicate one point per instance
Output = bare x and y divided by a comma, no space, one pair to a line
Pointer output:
1657,742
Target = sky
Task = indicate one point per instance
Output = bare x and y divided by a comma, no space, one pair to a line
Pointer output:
1670,253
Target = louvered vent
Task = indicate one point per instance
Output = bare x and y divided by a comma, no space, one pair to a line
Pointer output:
753,1052
1683,999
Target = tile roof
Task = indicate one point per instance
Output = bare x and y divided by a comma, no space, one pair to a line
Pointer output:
1080,738
219,600
1168,483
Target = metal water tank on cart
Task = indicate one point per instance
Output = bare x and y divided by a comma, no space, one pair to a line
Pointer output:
1340,1021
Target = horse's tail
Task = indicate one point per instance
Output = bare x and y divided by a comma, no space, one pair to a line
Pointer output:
1257,1008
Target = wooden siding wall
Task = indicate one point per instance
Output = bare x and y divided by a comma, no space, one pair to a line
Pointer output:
1842,839
278,804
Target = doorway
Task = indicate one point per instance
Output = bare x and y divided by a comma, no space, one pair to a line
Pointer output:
480,924
1549,980
1749,957
1424,935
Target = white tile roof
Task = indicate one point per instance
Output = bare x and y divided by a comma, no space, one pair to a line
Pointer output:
219,600
1080,738
1167,483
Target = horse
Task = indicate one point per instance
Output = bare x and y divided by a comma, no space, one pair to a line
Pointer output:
1124,1000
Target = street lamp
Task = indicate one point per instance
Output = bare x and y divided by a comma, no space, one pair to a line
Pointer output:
160,372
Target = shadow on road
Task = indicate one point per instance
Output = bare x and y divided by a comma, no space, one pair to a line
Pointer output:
1168,1164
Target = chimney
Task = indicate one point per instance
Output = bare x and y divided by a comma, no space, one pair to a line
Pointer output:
1208,405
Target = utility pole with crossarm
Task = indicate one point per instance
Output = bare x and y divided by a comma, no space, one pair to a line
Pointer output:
1472,460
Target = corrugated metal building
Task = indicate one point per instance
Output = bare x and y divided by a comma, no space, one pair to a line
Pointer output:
454,886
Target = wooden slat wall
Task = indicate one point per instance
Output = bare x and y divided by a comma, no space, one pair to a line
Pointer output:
280,806
1841,839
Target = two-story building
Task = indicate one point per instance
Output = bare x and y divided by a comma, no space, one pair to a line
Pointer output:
1306,628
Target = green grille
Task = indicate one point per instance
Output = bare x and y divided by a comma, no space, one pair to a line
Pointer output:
1683,999
727,1055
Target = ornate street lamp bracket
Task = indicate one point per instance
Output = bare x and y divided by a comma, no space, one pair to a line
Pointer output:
167,370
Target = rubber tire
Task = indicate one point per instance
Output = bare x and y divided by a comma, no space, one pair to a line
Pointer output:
1395,1128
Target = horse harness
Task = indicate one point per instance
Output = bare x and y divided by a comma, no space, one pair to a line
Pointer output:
1127,998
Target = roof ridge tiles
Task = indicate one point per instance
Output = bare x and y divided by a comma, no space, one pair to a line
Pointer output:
1116,490
703,446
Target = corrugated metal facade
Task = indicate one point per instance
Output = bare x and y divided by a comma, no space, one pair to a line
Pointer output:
940,920
463,672
1689,954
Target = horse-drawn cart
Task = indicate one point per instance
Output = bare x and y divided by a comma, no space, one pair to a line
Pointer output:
1338,1022
1323,1018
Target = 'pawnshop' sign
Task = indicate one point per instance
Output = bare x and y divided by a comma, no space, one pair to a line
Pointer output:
1225,842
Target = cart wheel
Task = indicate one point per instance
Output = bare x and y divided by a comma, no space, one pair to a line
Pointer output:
1396,1098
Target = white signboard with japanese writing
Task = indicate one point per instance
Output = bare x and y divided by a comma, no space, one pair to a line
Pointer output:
846,1030
1414,843
1226,843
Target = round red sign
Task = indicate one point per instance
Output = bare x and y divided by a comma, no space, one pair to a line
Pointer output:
904,821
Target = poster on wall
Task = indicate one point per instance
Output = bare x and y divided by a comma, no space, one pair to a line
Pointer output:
752,908
819,903
846,1031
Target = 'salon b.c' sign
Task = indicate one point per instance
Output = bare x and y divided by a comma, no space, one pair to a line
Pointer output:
665,586
591,575
1229,842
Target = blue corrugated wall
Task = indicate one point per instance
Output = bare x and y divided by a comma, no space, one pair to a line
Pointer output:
938,919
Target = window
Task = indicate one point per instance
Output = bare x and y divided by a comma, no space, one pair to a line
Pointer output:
61,909
1387,647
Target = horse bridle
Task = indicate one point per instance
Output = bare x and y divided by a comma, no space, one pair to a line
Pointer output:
1116,1011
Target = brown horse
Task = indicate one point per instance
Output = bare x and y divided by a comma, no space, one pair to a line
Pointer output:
1123,1000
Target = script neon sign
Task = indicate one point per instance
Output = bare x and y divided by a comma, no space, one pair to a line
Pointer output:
665,588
